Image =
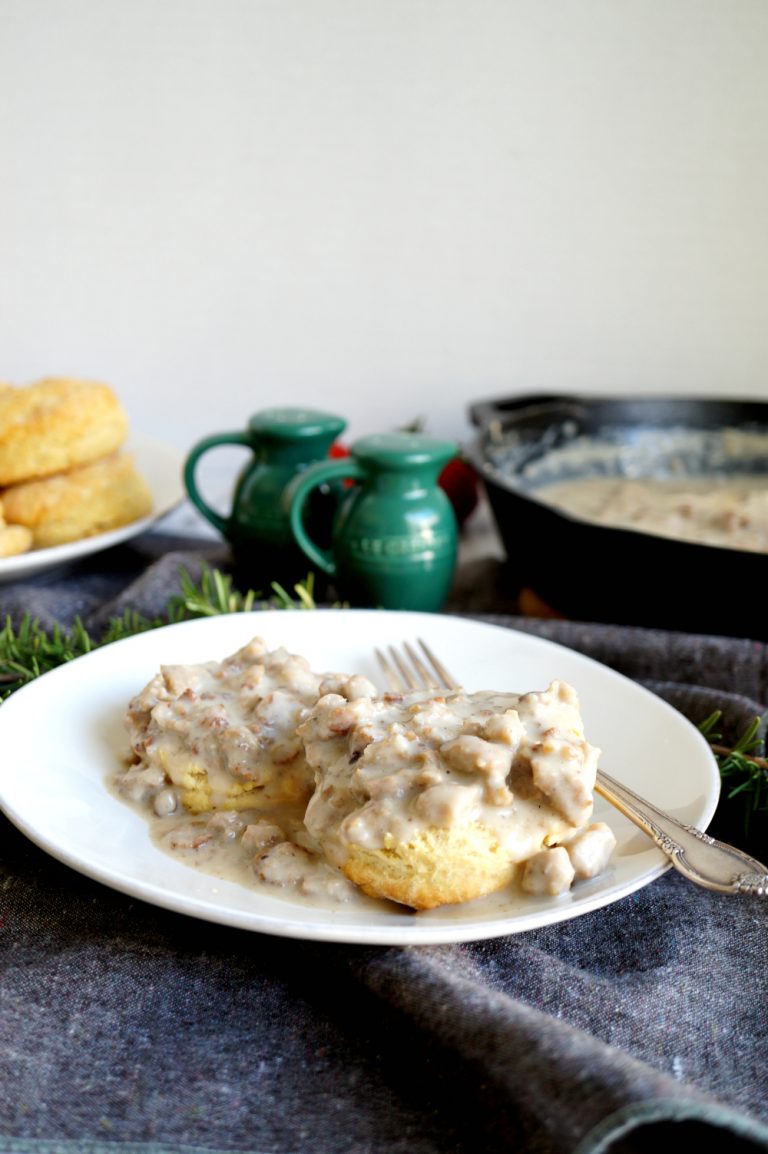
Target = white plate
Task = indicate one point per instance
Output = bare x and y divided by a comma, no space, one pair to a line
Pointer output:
161,467
62,735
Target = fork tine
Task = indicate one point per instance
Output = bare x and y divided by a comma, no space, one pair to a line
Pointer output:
411,682
427,679
401,677
445,677
394,680
397,672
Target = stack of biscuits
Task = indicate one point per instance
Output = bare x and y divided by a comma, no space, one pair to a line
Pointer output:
64,472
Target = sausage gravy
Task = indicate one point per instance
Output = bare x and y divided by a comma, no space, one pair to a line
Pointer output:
728,512
258,769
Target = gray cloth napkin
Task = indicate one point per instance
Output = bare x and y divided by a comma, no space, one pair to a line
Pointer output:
126,1027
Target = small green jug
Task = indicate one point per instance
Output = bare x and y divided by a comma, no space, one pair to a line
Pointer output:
394,537
283,442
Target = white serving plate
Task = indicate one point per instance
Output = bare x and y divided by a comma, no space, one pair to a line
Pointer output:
62,735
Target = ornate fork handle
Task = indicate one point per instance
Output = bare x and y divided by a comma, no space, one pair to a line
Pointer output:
702,859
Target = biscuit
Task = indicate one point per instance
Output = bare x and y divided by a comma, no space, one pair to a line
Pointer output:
57,424
14,539
81,502
436,867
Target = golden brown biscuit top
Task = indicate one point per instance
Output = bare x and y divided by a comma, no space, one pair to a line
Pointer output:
21,403
56,424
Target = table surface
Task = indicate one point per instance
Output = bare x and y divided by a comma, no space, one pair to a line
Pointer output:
123,1023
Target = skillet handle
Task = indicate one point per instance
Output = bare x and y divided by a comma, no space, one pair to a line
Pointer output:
491,411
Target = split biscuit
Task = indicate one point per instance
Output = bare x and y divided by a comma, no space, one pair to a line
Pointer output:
57,424
81,502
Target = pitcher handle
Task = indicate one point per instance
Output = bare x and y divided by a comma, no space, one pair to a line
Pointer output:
190,469
295,498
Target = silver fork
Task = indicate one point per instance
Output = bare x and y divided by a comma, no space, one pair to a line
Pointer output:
703,860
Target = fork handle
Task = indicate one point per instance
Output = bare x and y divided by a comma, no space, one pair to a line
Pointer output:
701,858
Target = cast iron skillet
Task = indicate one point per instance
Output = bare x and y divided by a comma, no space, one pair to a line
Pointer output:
592,572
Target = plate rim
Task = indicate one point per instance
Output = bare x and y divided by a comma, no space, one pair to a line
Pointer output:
291,925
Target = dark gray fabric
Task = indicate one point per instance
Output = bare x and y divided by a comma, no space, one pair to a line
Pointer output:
123,1026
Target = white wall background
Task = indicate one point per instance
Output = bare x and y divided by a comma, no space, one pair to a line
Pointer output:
382,207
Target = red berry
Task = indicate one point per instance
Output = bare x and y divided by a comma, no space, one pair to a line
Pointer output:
458,480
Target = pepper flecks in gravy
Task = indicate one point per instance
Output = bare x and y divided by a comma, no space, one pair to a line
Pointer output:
257,769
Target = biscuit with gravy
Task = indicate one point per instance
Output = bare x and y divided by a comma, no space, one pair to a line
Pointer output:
221,735
429,800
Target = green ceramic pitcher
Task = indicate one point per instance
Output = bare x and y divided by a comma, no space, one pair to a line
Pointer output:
394,537
283,442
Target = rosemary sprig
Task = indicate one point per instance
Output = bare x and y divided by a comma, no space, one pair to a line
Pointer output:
305,595
214,595
29,650
741,766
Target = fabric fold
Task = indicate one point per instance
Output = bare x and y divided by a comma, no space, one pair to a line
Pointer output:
127,1028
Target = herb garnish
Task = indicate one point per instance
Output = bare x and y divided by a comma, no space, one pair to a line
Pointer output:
29,650
743,770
